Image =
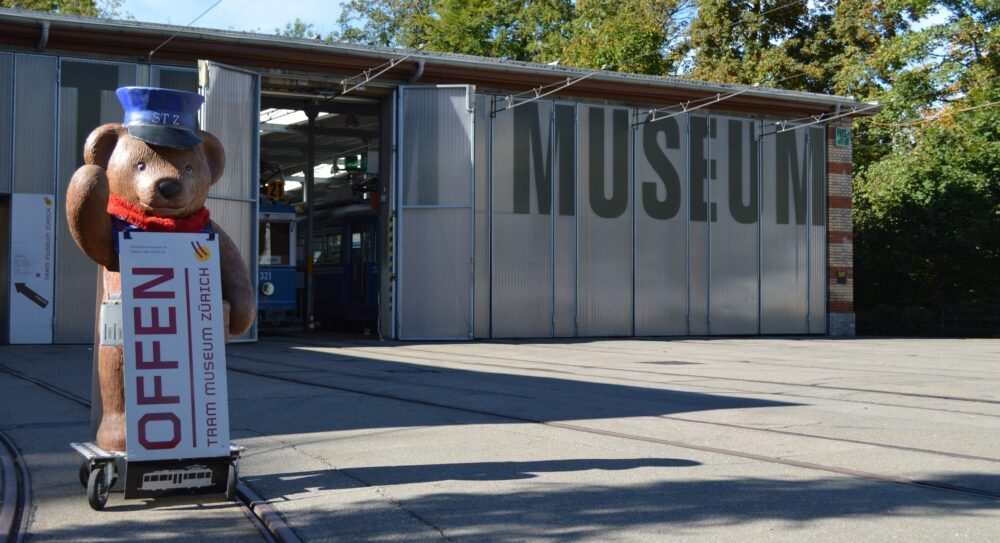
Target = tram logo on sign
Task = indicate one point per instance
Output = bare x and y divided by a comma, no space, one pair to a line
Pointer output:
200,252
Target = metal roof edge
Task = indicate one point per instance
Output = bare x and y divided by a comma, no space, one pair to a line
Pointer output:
444,59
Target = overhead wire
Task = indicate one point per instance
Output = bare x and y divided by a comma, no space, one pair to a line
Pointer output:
168,40
709,101
829,116
377,71
938,115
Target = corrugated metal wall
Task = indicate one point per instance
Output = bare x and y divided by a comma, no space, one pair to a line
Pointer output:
817,232
522,221
6,120
785,235
699,166
35,123
564,207
694,242
86,100
734,277
436,226
604,232
661,224
482,222
4,269
231,113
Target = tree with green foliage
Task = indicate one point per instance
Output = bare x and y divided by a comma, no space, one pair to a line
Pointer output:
66,7
297,29
746,41
636,36
507,29
927,183
386,23
111,9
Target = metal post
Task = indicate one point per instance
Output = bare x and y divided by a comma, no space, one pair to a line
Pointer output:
307,197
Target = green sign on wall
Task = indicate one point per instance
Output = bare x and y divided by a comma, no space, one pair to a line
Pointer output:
842,137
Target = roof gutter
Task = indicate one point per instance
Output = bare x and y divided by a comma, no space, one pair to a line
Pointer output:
423,57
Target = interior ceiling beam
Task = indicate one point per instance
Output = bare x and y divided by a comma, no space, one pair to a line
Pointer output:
294,164
266,145
320,131
326,106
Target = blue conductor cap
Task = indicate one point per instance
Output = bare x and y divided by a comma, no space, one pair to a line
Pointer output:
158,116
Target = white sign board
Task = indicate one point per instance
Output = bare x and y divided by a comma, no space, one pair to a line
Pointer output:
176,405
32,246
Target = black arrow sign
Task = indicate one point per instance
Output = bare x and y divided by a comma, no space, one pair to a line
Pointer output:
31,295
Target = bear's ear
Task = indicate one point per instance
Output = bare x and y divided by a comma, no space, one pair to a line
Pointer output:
214,154
101,144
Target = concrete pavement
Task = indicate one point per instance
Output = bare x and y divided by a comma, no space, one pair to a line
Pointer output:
614,440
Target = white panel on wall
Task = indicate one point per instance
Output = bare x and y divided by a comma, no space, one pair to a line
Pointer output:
522,222
785,234
734,229
437,180
701,169
604,236
817,231
482,221
564,207
231,113
661,290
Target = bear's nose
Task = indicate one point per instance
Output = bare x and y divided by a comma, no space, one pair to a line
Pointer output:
168,188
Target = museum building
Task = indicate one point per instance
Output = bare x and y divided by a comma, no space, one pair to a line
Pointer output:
430,196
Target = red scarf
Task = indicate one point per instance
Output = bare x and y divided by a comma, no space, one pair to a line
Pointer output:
135,216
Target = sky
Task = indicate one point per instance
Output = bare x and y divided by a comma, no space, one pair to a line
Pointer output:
245,15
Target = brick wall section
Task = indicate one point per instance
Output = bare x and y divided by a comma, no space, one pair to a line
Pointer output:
840,237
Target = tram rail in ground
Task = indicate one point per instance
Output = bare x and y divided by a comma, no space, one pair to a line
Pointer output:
886,478
271,526
15,507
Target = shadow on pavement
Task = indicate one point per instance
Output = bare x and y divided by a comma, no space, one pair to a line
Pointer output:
294,483
335,391
557,513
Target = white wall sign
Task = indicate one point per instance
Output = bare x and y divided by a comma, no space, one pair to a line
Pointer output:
32,249
176,405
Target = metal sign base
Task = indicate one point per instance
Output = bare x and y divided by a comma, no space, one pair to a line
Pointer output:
99,473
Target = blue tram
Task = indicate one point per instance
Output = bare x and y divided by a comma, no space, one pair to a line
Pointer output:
345,266
277,278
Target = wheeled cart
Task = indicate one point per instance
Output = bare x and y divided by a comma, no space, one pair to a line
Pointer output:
99,472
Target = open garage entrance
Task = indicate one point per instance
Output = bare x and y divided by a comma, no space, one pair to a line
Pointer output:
320,235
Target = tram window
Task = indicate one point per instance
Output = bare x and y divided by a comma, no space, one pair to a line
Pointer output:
331,249
275,243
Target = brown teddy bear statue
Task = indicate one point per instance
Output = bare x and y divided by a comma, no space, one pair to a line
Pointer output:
152,173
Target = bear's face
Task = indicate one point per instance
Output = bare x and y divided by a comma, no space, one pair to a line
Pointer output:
161,181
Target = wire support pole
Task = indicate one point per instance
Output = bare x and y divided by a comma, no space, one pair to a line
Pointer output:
686,106
371,74
538,94
817,120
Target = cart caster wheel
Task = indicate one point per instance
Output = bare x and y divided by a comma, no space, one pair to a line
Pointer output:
231,483
97,489
84,473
